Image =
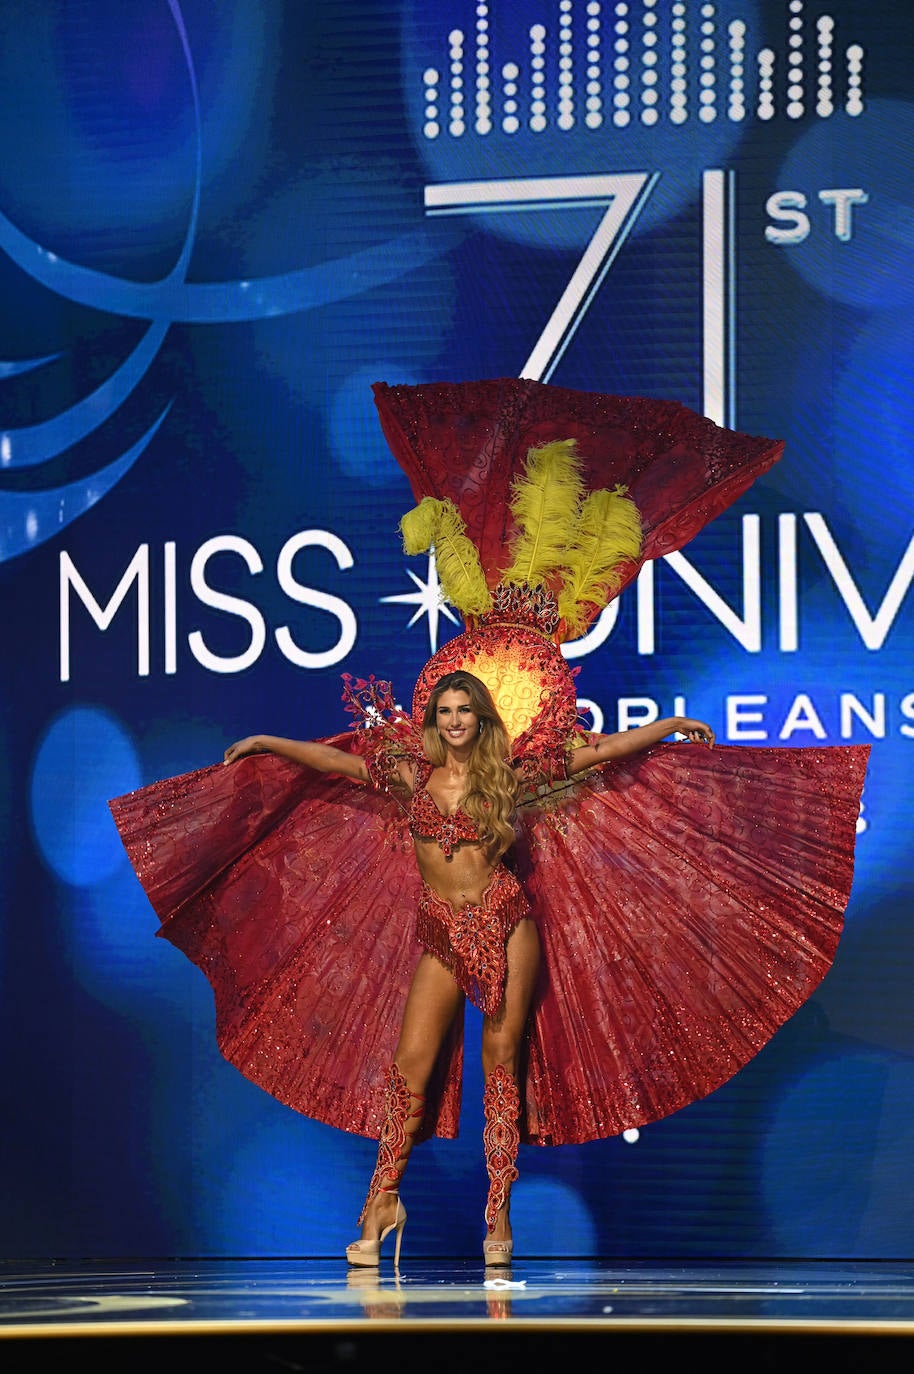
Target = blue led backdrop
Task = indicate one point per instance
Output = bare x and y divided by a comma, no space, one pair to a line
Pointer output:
219,224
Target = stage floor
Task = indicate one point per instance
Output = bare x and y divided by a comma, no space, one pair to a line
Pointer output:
316,1314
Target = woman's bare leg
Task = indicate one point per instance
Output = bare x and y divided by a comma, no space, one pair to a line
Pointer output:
431,1005
503,1033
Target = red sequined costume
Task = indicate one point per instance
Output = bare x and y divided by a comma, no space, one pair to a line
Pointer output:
471,941
689,900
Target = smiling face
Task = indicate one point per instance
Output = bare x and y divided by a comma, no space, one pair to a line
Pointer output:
457,722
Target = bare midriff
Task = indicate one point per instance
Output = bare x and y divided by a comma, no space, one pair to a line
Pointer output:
462,878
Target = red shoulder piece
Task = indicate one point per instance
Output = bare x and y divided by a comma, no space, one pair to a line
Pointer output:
383,732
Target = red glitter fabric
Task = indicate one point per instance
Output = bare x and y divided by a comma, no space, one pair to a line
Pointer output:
425,819
295,892
471,940
468,441
689,901
392,1152
500,1138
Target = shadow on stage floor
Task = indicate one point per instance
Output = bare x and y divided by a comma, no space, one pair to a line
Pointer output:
315,1315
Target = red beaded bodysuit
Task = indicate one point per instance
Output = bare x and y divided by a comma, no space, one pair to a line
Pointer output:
472,940
689,900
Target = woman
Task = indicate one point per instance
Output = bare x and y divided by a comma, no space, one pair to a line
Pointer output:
634,918
474,925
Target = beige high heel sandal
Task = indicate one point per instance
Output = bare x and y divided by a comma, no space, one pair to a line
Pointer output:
497,1253
366,1254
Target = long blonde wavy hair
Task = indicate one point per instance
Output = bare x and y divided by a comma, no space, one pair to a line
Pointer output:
492,788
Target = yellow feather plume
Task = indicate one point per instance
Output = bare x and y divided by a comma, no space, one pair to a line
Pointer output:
608,534
439,525
418,525
545,505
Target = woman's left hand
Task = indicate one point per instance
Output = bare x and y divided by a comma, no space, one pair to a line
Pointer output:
696,731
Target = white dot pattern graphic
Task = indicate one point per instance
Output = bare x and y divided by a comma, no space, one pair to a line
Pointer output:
639,62
825,103
457,110
736,102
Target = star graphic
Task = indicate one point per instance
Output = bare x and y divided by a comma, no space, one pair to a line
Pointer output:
428,599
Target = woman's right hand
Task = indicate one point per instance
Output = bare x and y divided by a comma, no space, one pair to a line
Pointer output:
252,744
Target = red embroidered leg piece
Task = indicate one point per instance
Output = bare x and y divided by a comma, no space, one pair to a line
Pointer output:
396,1138
501,1141
401,1122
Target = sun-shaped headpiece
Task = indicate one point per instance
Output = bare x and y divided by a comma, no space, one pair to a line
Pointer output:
564,556
541,503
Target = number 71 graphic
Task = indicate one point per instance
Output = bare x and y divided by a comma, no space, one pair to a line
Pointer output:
624,194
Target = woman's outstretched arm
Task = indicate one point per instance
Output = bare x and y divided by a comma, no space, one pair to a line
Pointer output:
323,757
628,742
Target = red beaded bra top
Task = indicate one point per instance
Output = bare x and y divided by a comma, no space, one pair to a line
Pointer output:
427,821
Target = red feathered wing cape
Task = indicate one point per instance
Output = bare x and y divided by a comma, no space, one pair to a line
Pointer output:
688,900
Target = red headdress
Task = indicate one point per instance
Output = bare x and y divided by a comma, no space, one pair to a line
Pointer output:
541,503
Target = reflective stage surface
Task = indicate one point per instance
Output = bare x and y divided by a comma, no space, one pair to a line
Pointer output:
315,1314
